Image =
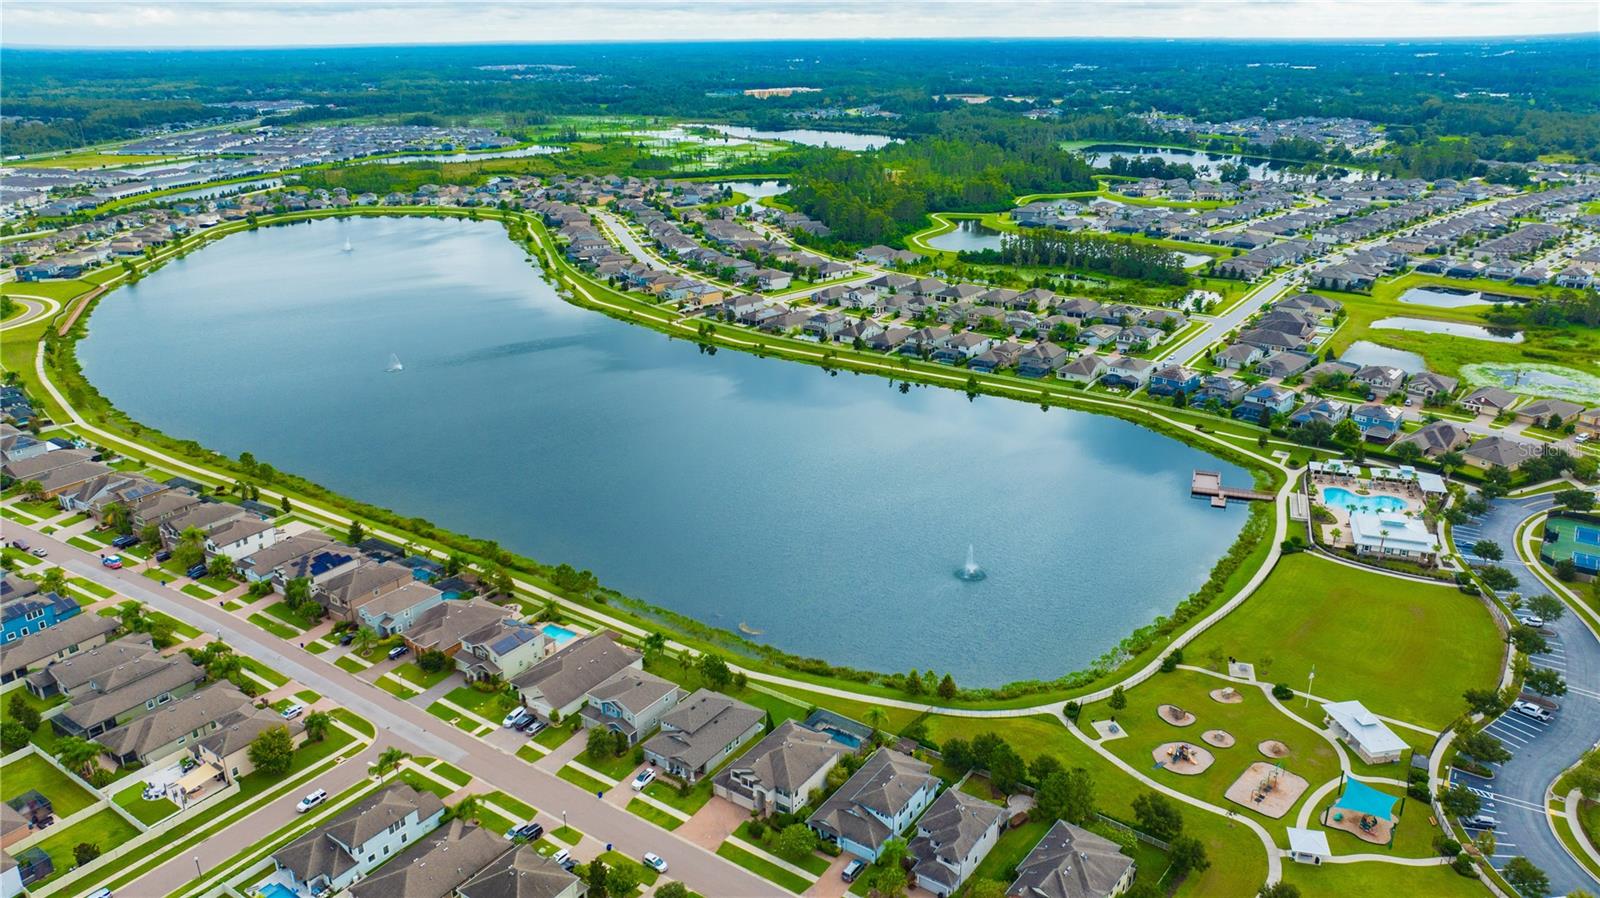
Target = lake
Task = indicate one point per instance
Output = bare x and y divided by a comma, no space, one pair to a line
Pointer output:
827,512
969,236
1450,328
465,156
1366,352
844,140
1442,297
755,191
1209,165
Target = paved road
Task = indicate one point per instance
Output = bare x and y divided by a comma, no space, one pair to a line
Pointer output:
412,729
1540,752
1227,321
36,306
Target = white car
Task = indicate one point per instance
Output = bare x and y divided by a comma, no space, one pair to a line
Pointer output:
1530,620
655,862
515,717
1581,438
1533,711
293,711
643,779
311,801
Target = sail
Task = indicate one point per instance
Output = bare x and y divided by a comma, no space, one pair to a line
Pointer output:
394,363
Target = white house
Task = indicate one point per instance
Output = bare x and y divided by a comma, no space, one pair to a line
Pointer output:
242,537
952,837
330,858
1360,729
780,771
1391,535
876,804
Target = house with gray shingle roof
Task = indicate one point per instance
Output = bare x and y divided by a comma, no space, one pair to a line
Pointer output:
631,702
700,732
332,857
876,804
523,873
561,682
78,633
781,770
155,737
955,834
1502,451
1071,862
435,864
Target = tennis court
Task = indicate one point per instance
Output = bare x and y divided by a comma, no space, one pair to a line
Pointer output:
1575,538
1589,536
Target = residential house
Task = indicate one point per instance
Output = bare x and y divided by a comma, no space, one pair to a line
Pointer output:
1489,401
130,690
700,732
436,863
1427,385
779,773
227,748
876,804
442,627
1040,360
398,609
1545,412
1127,371
1499,450
522,873
631,702
77,633
1588,421
155,737
26,610
265,564
1266,400
1328,411
505,648
240,537
1238,357
1437,438
1170,379
1098,335
1071,862
560,683
1284,363
1380,380
1379,423
343,592
1224,391
1085,369
953,836
333,857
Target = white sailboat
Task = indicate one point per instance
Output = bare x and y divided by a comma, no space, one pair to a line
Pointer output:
347,246
394,364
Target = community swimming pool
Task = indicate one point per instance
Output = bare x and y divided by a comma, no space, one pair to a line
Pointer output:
1339,497
558,635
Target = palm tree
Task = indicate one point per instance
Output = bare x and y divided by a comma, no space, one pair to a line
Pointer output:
78,754
1383,536
467,808
389,761
117,517
654,645
131,614
875,717
366,638
317,723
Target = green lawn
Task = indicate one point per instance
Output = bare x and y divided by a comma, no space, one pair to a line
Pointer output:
91,587
618,767
513,804
396,688
264,672
763,868
346,663
582,780
105,828
653,814
528,754
694,800
200,592
645,876
815,863
1379,881
148,812
1012,846
424,783
45,736
288,615
566,834
271,626
491,706
34,772
1404,649
448,715
315,648
307,696
359,724
552,738
415,675
451,772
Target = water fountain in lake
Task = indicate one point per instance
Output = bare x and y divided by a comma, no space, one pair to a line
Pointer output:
970,571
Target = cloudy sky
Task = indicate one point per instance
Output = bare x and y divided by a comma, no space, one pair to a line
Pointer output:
137,23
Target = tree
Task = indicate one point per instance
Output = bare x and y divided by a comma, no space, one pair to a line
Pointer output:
1158,816
389,761
1188,856
1527,879
714,671
191,548
13,736
673,889
366,639
1119,699
150,535
947,687
33,489
1006,768
220,566
623,879
1547,607
654,646
1483,747
53,580
595,875
272,752
888,876
1410,453
79,754
434,661
357,533
467,808
1488,549
875,717
1459,801
795,842
1528,640
117,517
1067,795
1545,681
1282,889
85,852
22,712
599,743
317,723
1497,578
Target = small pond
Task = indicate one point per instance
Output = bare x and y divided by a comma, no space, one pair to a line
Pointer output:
517,153
969,236
844,140
1209,165
1553,381
755,191
1194,260
1442,297
1365,352
1450,328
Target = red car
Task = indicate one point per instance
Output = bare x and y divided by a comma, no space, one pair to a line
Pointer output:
112,561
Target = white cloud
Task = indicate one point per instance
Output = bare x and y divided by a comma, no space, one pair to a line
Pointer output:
302,22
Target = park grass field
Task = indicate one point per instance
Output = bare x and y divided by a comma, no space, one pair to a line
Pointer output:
1360,629
89,160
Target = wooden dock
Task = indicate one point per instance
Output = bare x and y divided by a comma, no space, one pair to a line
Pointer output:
1208,484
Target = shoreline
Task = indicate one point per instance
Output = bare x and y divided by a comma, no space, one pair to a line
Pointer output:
1139,644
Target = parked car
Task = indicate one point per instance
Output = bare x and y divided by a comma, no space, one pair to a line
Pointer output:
515,718
40,552
348,637
100,893
655,862
196,571
562,857
1533,711
163,556
643,779
19,544
311,801
1582,438
529,831
112,561
852,870
1481,821
532,726
293,711
123,542
398,650
1530,620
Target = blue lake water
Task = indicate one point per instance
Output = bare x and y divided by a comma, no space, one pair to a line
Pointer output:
968,236
828,513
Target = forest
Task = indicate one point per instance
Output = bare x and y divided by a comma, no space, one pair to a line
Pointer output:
1086,252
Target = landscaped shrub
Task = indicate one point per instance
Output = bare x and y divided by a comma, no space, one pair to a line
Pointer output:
1463,866
84,852
1282,692
1072,709
1446,846
1171,661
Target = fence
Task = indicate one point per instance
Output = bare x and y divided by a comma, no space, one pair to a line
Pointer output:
1141,836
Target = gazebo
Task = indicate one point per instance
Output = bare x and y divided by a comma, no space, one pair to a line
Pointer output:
1363,812
1308,846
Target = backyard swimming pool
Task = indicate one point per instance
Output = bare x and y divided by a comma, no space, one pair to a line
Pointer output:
558,635
1339,497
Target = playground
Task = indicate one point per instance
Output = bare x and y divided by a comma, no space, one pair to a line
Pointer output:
1364,812
1267,789
1175,715
1182,758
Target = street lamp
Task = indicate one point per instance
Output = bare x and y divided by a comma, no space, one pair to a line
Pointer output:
197,871
563,818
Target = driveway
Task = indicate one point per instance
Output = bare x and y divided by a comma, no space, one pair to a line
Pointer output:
1540,752
713,824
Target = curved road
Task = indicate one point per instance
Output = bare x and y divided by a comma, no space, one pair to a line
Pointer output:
1540,752
37,307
